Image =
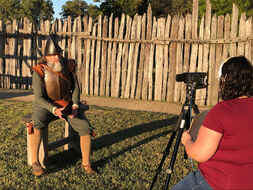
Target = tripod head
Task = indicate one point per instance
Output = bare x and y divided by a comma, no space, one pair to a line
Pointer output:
196,80
193,81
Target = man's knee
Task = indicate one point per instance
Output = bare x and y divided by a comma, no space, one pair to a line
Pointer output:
81,126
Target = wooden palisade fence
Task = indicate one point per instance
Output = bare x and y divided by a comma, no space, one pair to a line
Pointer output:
135,57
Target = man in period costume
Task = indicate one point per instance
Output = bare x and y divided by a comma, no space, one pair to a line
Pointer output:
57,95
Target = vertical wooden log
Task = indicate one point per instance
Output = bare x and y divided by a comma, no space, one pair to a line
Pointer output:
130,59
194,52
60,30
248,46
54,26
159,59
14,51
88,60
146,81
220,35
151,61
42,42
179,68
98,56
109,60
172,60
187,48
79,50
242,35
1,55
79,53
212,64
92,60
8,60
226,37
207,35
84,62
200,60
69,20
64,40
33,52
115,91
125,55
27,50
37,43
166,58
135,58
11,50
73,52
114,53
142,58
234,26
104,58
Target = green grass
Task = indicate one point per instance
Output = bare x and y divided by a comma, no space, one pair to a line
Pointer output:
126,151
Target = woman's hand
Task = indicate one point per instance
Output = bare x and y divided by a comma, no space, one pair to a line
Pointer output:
186,138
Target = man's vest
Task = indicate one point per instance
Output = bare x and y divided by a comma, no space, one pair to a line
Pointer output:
59,85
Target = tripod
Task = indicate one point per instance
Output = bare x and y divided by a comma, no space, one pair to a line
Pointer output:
183,122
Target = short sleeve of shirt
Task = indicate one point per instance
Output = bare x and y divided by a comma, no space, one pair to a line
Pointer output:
213,119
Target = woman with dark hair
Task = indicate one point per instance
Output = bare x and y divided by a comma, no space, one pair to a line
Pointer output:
224,145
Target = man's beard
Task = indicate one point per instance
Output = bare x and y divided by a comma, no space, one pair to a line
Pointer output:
56,66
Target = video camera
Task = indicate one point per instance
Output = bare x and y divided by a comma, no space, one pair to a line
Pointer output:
199,79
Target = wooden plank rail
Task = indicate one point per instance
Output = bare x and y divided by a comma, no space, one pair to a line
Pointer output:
135,58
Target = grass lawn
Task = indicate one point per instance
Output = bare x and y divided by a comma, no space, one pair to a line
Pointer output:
126,151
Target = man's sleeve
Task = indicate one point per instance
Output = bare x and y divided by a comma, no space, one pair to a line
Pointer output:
76,91
39,93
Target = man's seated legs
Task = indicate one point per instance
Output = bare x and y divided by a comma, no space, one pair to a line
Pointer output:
41,118
81,125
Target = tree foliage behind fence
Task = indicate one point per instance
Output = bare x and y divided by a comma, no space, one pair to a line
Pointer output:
135,57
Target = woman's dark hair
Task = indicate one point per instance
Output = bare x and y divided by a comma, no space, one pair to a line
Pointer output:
237,78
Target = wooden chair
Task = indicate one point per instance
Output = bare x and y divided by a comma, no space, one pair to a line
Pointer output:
70,140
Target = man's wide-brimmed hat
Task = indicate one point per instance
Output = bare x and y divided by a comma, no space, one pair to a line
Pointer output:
52,47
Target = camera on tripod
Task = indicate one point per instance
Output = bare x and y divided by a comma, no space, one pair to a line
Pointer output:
199,79
193,81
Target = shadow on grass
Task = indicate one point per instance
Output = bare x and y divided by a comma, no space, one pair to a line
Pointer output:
102,162
62,160
69,158
14,93
110,139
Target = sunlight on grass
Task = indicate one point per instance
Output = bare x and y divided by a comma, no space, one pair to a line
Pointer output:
126,151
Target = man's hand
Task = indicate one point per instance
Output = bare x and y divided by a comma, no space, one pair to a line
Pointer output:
58,112
74,112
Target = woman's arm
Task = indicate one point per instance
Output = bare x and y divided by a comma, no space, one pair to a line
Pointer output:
205,145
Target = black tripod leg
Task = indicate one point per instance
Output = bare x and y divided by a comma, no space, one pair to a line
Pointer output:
195,109
165,154
167,149
184,122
